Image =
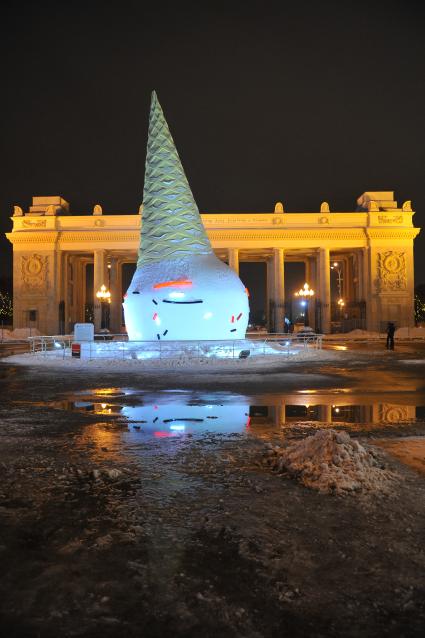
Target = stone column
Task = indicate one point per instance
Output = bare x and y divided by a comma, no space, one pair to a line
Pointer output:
269,293
359,275
99,278
325,413
312,282
348,279
63,295
307,271
279,288
79,287
233,258
325,288
345,262
367,287
116,295
280,415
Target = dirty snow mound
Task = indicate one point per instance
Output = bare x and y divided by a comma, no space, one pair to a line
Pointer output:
330,461
24,333
354,334
410,332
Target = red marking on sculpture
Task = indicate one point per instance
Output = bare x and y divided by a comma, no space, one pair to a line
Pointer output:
177,282
155,316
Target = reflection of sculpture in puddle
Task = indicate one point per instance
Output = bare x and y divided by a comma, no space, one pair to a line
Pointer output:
179,418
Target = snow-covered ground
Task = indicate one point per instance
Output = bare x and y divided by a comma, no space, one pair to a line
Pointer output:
354,335
189,363
18,334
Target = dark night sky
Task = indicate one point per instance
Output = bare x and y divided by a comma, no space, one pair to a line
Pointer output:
299,102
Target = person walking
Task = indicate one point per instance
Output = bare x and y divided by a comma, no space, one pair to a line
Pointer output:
390,335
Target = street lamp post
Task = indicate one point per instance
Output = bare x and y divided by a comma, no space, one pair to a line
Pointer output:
306,293
104,297
337,268
341,303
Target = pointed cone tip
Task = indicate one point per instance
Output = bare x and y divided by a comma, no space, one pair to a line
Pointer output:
172,225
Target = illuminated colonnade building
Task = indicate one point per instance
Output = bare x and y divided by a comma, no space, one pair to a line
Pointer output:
54,254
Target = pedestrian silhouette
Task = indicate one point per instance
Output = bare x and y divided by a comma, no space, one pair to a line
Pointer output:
390,335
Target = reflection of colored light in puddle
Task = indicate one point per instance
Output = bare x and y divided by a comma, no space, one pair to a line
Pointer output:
102,408
180,417
108,391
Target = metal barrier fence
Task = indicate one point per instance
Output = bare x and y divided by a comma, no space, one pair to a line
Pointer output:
118,347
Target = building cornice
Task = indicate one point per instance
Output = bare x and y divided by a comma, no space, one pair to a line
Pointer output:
392,233
109,235
33,237
99,236
283,234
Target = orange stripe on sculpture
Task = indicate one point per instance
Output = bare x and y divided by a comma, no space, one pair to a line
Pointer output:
178,282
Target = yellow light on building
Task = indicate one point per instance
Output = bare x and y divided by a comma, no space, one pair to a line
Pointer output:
103,294
305,291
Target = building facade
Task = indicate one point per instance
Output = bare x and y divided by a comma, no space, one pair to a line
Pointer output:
371,249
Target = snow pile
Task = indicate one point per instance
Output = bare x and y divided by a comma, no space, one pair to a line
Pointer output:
19,334
415,333
331,462
354,334
255,364
6,335
24,333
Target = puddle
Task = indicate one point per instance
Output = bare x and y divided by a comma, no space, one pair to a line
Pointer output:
408,450
179,413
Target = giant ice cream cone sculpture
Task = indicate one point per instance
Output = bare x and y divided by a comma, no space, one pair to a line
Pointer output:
180,289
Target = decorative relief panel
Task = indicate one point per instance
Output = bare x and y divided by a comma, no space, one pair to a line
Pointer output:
387,219
34,271
32,223
392,270
390,413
